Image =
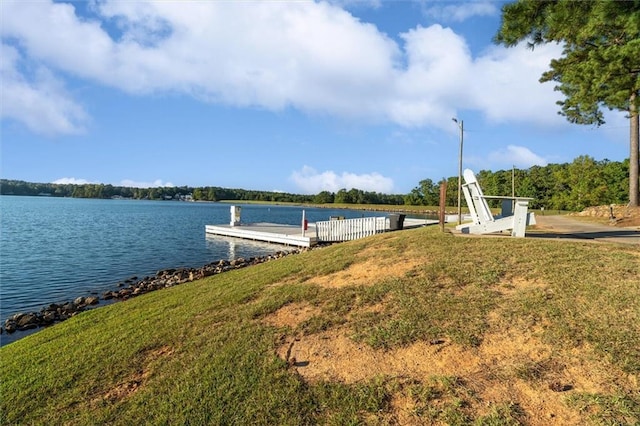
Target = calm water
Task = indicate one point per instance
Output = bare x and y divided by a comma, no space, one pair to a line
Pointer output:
56,249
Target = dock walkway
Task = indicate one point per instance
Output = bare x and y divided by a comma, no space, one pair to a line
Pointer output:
269,232
295,236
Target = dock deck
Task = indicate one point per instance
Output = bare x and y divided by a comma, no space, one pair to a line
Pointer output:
269,232
287,234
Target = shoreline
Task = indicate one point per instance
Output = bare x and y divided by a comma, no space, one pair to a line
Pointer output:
388,208
21,324
16,324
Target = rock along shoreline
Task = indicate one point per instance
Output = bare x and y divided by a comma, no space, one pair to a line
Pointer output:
131,287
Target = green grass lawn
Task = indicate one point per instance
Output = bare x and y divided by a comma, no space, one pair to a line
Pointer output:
412,327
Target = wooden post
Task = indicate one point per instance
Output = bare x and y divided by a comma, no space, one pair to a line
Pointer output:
304,222
443,200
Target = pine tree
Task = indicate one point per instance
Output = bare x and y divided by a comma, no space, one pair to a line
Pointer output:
600,65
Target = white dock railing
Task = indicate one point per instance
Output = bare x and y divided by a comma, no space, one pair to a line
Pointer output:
350,229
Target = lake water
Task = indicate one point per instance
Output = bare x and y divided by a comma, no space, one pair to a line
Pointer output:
56,249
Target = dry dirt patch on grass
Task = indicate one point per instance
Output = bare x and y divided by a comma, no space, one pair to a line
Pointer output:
292,315
368,272
135,381
333,356
512,285
510,366
124,389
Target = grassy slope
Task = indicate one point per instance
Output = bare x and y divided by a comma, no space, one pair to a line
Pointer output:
207,352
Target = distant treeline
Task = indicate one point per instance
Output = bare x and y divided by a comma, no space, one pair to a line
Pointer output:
569,186
96,190
208,193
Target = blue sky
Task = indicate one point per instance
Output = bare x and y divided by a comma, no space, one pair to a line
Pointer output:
287,96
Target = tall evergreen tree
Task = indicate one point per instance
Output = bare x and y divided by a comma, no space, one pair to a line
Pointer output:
600,65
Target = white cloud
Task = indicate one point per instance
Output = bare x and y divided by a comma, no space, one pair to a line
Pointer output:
311,181
442,77
137,184
518,156
313,56
431,87
71,181
459,12
40,101
506,87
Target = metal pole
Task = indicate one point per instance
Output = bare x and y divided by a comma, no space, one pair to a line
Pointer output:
513,188
460,171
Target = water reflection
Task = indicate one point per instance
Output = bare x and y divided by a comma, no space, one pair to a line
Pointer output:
236,247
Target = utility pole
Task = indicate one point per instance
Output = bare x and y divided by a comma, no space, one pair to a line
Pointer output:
513,188
461,126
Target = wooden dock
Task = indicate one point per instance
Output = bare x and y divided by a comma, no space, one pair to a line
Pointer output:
324,231
270,232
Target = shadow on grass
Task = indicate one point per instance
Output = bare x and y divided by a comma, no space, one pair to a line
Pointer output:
623,235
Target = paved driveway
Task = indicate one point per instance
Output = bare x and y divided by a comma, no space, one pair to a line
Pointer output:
568,227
